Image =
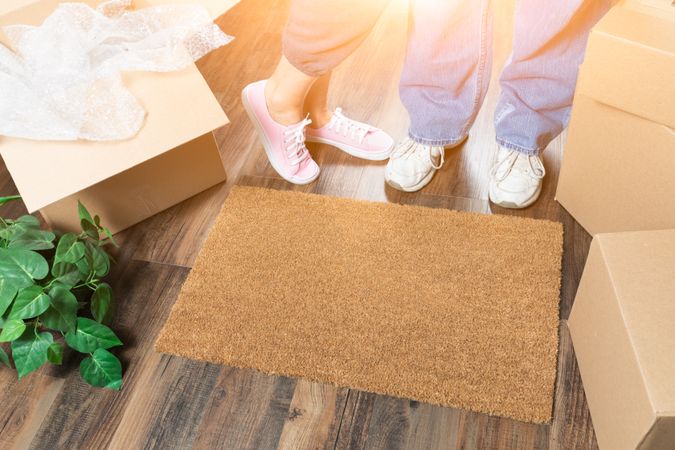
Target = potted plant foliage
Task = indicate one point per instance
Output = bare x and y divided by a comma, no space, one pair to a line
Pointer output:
52,296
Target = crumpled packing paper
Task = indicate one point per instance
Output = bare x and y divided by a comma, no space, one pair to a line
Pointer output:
63,79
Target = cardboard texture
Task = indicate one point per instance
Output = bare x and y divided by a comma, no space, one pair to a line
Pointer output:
640,47
617,171
662,8
619,159
622,330
172,158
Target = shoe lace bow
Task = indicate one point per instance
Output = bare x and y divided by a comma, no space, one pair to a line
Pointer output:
410,149
503,168
342,124
294,141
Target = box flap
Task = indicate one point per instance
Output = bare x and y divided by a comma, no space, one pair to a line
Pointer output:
180,107
641,48
642,268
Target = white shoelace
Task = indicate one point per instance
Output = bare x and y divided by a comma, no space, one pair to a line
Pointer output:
352,129
294,141
410,149
503,168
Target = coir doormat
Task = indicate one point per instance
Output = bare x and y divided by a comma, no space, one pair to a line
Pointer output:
451,308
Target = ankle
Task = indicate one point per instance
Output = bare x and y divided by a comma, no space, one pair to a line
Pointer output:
284,110
320,117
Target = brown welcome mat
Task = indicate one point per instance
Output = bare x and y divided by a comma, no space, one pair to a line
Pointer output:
451,308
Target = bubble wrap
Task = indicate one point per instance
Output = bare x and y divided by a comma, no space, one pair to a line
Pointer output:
62,81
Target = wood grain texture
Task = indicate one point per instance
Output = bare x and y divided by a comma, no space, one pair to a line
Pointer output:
86,417
314,416
246,410
170,403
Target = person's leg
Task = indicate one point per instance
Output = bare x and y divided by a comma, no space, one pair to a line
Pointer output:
286,91
444,81
537,87
319,34
316,102
538,82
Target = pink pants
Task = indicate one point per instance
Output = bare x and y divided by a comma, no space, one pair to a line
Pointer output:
320,34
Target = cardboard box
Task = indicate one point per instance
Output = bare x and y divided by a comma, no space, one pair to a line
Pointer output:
619,160
618,170
623,332
630,65
172,158
663,8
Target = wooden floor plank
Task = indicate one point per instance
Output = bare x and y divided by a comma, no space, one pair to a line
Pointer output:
25,404
166,411
314,416
572,426
246,410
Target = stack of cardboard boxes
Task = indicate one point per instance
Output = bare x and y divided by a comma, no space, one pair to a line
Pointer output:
618,181
173,157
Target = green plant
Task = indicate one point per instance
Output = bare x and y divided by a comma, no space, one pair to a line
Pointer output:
45,283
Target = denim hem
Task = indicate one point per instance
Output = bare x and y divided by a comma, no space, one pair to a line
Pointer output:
518,148
436,142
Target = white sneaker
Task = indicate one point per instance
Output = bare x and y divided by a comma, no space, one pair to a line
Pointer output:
412,165
516,178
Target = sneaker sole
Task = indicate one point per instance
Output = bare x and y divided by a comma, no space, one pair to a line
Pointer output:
266,144
419,186
355,152
512,205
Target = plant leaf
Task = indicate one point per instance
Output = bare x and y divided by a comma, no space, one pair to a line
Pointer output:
110,236
102,369
21,267
30,351
100,260
90,229
101,302
90,335
7,293
4,200
12,329
55,353
62,312
32,240
30,302
69,249
84,214
86,264
66,273
29,221
4,358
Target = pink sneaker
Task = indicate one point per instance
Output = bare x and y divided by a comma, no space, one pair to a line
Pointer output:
356,138
284,145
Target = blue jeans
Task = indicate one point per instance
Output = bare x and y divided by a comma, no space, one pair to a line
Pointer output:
449,59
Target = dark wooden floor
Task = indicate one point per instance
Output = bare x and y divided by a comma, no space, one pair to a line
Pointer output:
169,402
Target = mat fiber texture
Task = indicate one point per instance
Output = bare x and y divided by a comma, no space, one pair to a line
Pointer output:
450,308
